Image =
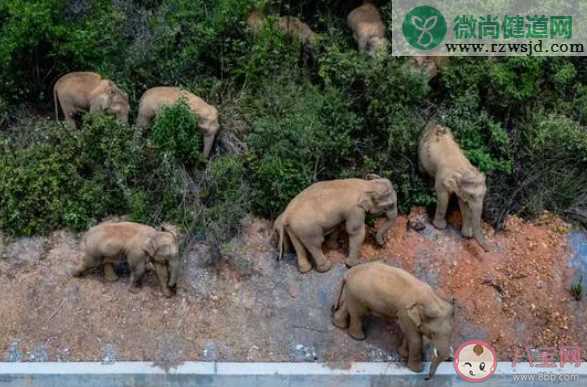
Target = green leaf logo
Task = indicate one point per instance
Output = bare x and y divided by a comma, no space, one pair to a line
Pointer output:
424,27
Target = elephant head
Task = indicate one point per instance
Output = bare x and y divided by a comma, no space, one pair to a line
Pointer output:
163,248
470,187
109,98
380,198
434,321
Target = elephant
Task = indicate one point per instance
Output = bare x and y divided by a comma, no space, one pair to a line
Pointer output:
318,210
291,26
368,29
83,91
142,246
431,66
392,293
441,157
157,97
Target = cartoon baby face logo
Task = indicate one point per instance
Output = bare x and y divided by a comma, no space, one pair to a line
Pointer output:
475,361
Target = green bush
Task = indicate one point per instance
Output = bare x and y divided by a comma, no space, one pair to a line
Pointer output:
301,135
284,124
175,131
61,182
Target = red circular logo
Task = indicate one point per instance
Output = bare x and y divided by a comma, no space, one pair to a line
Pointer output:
475,361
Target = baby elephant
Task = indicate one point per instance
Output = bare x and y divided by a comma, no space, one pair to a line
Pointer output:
83,91
442,158
154,99
389,292
368,29
320,208
141,244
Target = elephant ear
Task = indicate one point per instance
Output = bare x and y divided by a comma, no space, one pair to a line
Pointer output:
452,182
100,103
415,314
366,200
150,247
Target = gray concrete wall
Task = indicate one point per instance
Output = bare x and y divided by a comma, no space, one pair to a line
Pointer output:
216,374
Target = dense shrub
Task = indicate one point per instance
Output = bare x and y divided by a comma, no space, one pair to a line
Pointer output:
286,123
300,135
175,131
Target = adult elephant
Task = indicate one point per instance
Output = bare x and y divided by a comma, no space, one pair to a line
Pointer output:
155,98
392,293
442,158
320,208
86,91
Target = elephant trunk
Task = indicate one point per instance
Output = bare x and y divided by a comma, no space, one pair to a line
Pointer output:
391,215
477,231
173,272
441,353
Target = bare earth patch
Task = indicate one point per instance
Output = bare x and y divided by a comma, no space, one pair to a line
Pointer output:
249,307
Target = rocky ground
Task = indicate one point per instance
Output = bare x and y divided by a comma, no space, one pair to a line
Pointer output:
250,307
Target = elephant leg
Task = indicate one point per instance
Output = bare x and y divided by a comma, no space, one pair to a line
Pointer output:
137,271
340,317
304,264
414,343
356,313
442,197
403,348
109,273
69,113
314,245
332,239
88,262
163,275
208,143
356,231
466,214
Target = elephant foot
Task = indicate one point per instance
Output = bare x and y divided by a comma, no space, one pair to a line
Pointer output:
357,335
304,267
167,293
341,323
439,224
415,366
133,289
324,267
467,233
110,277
350,262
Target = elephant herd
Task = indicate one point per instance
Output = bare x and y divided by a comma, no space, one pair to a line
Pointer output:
315,215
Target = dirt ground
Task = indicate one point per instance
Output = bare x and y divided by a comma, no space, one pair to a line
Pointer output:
250,307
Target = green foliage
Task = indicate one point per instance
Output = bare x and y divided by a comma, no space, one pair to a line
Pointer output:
300,135
62,182
285,124
176,132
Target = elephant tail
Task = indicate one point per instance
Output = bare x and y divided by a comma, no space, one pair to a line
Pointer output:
336,305
55,102
279,228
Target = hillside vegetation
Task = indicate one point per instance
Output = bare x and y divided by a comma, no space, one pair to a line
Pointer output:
285,122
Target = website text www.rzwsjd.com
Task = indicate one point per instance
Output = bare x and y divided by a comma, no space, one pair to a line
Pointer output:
529,48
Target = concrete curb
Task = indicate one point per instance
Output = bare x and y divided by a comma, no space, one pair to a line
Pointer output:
269,374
